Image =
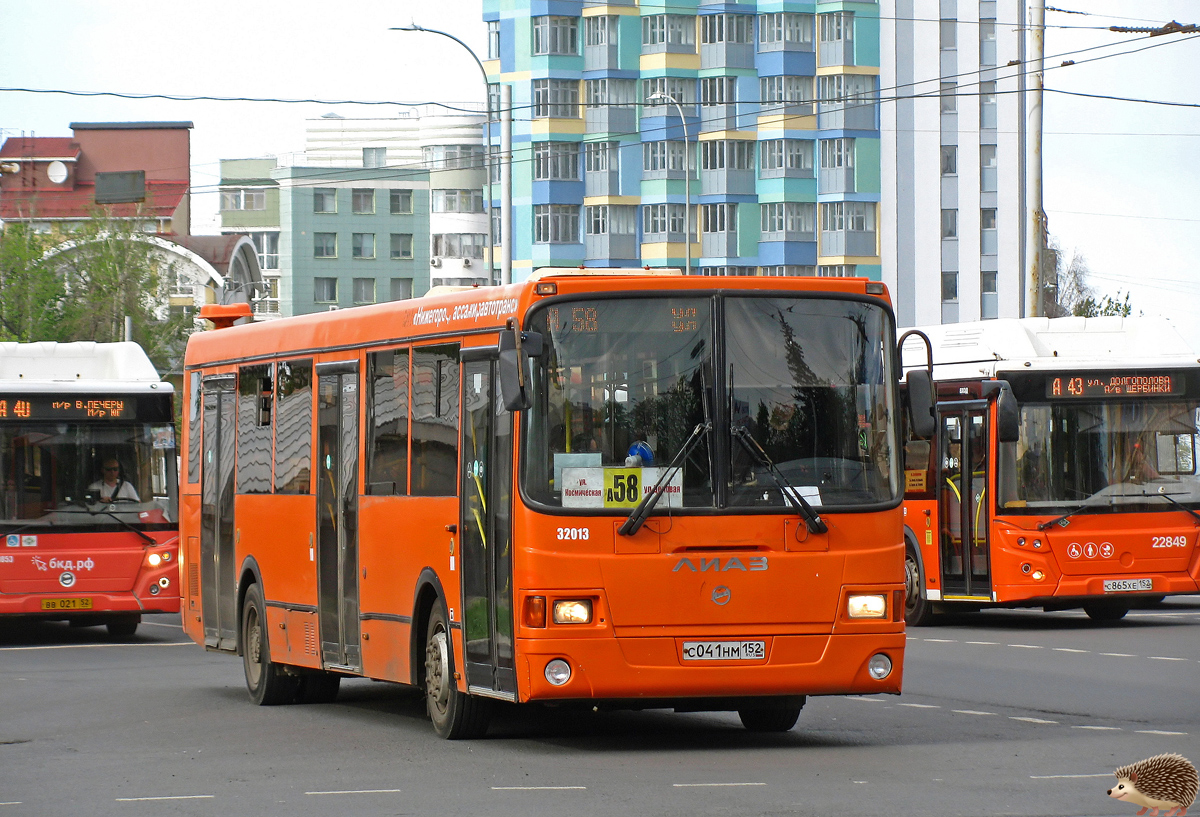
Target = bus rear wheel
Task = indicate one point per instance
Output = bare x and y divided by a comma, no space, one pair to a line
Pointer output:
123,626
1105,610
918,611
776,716
266,681
455,716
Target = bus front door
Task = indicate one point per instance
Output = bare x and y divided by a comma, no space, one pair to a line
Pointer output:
218,573
487,467
337,515
963,504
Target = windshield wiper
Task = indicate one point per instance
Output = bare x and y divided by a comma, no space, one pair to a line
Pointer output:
24,525
1176,503
149,539
637,516
790,493
1064,520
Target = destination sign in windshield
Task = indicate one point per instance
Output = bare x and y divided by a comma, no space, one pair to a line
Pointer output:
67,407
1164,384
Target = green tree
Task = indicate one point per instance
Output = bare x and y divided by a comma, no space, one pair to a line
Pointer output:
32,294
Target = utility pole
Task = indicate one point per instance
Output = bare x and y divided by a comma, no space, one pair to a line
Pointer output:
1036,240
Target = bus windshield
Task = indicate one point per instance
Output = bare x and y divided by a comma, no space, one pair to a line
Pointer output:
84,474
626,381
1099,456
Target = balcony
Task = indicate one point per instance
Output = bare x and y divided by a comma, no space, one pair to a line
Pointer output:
727,181
600,57
719,245
848,242
718,117
836,180
611,246
727,55
611,119
851,114
601,183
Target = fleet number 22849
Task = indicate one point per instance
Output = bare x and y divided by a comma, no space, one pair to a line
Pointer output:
1168,541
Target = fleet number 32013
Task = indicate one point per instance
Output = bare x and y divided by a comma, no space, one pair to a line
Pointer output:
1168,541
574,533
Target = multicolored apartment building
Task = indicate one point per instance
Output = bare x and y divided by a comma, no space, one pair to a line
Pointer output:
762,115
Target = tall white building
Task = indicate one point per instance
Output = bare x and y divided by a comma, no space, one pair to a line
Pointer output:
954,144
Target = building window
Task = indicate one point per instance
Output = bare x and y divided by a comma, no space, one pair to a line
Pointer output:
988,173
457,201
659,30
452,157
555,161
244,199
837,270
556,224
401,202
362,201
683,91
718,218
325,290
788,221
786,157
837,27
401,289
949,94
837,154
782,31
787,270
665,160
948,34
324,245
458,245
851,216
267,246
609,219
364,290
599,31
608,92
726,28
949,224
726,271
718,90
987,42
324,200
493,43
949,160
555,35
374,157
556,98
727,154
600,157
949,286
402,246
663,222
987,105
988,244
362,245
776,92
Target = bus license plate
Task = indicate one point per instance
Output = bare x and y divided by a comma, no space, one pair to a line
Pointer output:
1127,585
66,604
724,650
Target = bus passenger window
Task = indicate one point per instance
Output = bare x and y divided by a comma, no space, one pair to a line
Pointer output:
387,424
194,416
254,436
293,427
435,420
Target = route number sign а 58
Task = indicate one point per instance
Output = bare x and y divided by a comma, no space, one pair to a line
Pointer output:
617,487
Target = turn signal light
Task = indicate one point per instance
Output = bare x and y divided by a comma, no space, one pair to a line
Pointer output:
534,614
573,611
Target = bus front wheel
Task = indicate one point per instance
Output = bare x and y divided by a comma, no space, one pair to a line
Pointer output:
455,716
776,716
918,612
266,681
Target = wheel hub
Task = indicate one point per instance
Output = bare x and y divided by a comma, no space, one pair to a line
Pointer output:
437,679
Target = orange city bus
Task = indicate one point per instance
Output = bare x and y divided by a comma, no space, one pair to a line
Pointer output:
634,489
1058,469
87,485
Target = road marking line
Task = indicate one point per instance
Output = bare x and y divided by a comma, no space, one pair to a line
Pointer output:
1064,776
1165,658
357,791
11,803
171,797
922,706
1157,732
1027,646
1030,720
941,640
90,646
701,785
1119,654
1068,649
971,712
862,698
1100,728
160,624
989,643
536,788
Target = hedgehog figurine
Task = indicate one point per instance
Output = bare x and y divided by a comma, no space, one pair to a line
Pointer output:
1160,782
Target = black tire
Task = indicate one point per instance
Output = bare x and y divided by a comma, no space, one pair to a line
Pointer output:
775,717
455,716
123,627
1106,611
318,688
918,611
266,681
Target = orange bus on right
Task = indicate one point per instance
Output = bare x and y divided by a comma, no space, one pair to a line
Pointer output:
1057,469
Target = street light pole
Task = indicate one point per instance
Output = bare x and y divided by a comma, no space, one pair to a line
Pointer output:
687,180
487,144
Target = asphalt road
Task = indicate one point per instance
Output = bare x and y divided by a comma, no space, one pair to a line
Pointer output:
1004,712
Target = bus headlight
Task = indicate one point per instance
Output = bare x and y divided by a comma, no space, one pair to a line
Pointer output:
154,560
880,666
867,607
575,611
558,672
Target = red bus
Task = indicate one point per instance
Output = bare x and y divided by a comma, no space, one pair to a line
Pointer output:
87,485
1058,470
630,489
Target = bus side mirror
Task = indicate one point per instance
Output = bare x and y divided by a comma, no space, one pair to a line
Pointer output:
920,403
1008,411
515,349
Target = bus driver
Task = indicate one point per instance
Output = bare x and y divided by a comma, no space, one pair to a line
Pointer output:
111,486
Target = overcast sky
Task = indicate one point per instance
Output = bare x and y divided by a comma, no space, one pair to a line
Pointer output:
1122,184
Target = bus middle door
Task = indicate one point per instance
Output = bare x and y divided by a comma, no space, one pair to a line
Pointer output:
963,501
487,466
337,515
218,573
